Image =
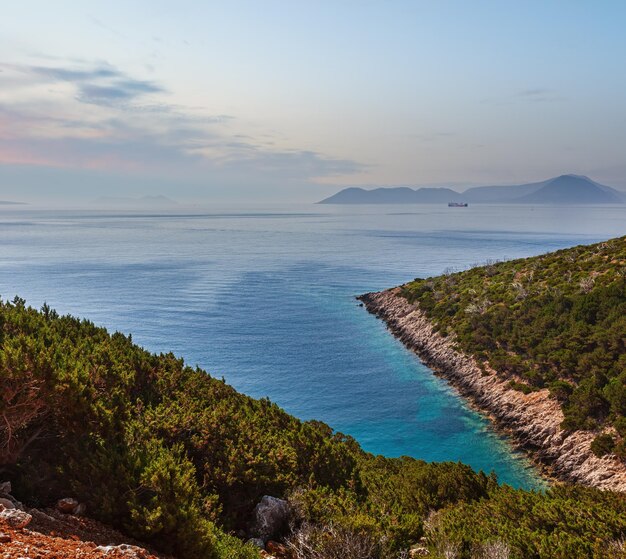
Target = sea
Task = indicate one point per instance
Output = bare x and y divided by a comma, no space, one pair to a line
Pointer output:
265,298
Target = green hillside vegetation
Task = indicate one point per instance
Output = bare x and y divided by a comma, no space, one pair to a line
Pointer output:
555,321
179,459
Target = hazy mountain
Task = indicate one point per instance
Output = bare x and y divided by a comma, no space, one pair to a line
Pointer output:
142,202
397,195
573,189
491,194
10,203
565,189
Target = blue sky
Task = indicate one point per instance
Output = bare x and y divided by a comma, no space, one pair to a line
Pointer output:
265,101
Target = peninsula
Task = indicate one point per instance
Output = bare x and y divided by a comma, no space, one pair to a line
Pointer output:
538,345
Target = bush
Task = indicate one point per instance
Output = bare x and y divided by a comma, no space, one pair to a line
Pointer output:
333,542
603,444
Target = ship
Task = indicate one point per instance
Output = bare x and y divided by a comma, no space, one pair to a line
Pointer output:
457,204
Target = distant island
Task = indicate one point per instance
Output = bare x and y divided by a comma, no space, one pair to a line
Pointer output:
11,203
139,202
565,190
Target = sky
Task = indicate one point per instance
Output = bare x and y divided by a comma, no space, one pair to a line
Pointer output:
292,100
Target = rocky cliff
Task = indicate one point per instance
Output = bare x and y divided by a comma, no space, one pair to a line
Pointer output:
532,420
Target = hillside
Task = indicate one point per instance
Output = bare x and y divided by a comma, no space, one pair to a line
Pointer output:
556,321
563,190
539,344
178,459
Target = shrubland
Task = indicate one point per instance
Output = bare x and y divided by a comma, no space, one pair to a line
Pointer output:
179,459
556,321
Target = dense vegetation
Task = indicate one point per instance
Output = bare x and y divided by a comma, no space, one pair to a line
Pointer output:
555,321
178,458
531,525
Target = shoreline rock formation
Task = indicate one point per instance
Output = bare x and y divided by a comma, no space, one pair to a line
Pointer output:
531,420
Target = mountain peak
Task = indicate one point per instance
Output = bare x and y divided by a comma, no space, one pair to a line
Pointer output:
573,189
573,176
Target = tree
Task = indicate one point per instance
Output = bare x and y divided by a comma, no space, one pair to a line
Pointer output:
21,404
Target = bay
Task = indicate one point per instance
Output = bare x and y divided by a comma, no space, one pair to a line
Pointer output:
264,297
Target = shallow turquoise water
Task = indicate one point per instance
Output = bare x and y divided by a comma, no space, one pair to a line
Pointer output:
265,298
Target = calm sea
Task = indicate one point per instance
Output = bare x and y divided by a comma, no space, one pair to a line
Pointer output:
265,298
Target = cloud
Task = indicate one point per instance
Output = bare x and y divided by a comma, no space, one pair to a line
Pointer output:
429,137
103,84
531,95
539,92
94,116
120,91
289,164
539,95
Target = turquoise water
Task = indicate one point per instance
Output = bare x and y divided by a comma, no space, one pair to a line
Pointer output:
265,298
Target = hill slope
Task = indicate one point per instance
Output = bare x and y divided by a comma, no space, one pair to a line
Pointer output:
552,320
540,343
177,458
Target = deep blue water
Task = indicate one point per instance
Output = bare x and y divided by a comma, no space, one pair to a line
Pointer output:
265,298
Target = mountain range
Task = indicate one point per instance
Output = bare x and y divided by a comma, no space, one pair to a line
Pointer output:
565,189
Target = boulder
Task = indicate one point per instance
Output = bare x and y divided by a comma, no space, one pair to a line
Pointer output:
256,542
7,503
5,487
67,505
271,518
124,550
14,518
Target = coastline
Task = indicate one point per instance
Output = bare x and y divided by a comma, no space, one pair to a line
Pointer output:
531,420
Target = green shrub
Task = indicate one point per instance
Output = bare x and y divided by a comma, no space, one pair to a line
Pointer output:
564,523
603,444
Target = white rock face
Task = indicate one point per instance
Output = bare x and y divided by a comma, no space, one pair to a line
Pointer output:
128,551
533,420
14,518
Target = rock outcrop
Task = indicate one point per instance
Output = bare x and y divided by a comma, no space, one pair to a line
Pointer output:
271,518
532,420
26,532
14,518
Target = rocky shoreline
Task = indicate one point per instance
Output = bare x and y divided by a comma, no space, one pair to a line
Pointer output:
532,420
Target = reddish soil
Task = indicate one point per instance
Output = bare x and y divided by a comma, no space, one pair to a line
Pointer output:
52,535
